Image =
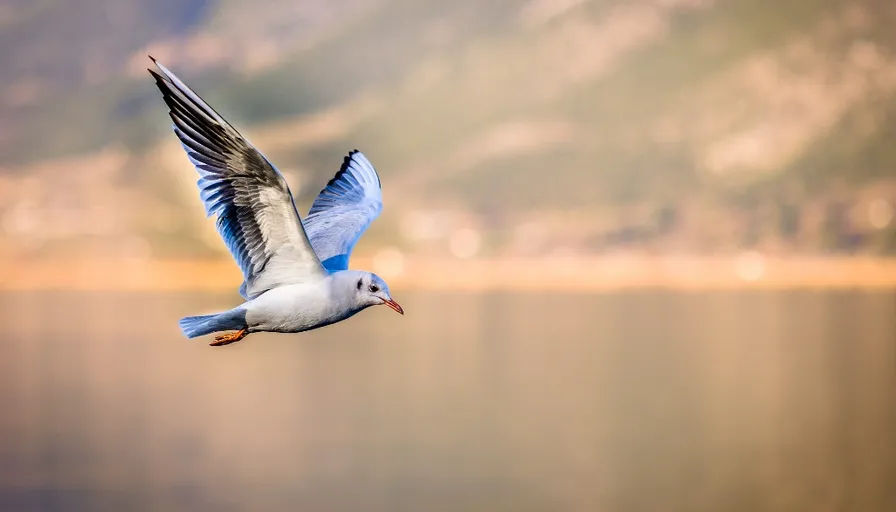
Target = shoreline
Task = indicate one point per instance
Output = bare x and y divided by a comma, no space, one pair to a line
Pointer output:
566,274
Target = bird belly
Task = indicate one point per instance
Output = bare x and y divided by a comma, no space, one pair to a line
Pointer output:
292,308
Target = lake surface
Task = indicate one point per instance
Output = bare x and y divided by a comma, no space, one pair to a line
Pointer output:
642,401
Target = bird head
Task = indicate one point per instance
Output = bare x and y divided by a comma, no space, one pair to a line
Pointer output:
371,290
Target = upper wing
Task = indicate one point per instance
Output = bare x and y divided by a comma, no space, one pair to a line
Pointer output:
257,217
343,210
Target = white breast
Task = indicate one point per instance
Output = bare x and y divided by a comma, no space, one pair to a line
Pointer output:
296,308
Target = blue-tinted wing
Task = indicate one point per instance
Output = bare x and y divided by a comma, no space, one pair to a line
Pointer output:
343,210
256,215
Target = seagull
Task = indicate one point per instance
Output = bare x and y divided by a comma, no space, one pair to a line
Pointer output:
295,271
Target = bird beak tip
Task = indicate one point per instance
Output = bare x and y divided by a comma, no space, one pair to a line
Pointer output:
394,305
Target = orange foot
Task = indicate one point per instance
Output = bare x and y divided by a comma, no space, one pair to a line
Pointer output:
226,339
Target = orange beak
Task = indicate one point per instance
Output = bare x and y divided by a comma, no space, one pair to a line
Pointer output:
394,305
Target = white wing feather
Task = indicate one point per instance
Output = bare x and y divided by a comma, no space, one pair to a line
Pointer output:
256,213
343,210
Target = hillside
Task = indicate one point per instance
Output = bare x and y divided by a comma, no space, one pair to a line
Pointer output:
660,125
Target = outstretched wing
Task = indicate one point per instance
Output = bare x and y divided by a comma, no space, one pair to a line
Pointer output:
343,210
256,214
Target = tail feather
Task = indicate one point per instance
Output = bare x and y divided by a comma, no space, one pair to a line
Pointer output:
195,326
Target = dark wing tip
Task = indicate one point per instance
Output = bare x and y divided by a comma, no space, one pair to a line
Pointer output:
346,163
153,59
162,83
342,169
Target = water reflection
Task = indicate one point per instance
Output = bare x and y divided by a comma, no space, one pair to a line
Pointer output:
637,401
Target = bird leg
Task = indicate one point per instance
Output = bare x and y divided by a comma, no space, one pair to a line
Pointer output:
231,337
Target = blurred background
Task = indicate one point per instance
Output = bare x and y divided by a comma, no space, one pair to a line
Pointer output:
647,250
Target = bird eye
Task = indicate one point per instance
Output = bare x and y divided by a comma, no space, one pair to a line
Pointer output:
360,281
373,288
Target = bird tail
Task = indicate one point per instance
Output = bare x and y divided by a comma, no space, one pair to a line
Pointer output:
194,326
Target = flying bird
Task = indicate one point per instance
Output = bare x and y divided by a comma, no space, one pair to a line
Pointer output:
295,270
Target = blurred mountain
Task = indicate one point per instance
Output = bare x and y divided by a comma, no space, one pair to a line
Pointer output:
662,125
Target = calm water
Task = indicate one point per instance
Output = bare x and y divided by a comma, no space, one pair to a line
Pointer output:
628,402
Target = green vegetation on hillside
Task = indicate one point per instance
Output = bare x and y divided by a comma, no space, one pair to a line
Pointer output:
608,106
